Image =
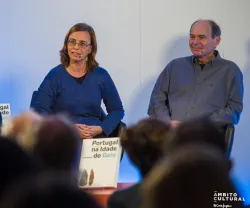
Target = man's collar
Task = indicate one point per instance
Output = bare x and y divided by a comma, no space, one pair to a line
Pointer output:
195,60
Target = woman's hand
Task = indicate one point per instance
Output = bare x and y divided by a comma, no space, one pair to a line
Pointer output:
95,130
88,132
174,123
84,131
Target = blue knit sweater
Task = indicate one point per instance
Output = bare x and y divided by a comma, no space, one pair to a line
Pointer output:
61,93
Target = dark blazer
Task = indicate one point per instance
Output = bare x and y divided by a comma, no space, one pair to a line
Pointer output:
127,198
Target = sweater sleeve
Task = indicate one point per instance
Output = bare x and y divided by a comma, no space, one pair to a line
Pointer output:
46,95
113,105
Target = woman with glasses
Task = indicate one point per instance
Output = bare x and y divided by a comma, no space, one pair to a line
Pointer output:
78,85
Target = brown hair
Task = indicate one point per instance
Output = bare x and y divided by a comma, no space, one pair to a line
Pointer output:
144,141
56,134
198,130
189,177
91,63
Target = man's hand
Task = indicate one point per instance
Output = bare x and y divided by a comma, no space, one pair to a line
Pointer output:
174,123
88,132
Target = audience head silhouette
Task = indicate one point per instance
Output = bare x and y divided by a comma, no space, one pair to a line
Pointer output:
189,177
144,141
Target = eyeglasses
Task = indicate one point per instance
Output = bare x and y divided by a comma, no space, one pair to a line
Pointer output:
81,44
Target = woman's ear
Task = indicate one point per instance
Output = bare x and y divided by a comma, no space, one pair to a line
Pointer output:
90,49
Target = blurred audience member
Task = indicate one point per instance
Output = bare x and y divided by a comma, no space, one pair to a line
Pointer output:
190,177
144,145
15,163
199,130
53,140
18,127
47,192
57,143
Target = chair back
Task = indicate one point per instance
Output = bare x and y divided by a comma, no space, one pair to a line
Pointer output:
229,137
1,120
33,98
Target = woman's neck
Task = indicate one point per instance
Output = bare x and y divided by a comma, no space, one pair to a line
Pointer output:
77,69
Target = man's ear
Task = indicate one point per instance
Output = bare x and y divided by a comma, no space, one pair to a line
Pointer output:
217,40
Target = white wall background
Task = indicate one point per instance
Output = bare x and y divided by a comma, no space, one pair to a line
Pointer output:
136,39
